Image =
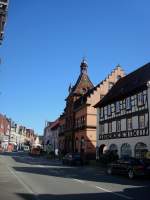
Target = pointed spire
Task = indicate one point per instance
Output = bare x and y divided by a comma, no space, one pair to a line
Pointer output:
83,66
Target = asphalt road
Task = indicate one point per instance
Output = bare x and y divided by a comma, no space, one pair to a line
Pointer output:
26,178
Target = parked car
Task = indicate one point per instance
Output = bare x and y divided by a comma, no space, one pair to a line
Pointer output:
131,167
72,159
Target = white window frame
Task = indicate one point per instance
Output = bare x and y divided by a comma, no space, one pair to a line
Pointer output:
129,123
117,106
109,127
102,128
118,125
109,110
128,103
140,99
141,121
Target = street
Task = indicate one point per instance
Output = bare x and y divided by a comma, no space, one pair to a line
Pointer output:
23,178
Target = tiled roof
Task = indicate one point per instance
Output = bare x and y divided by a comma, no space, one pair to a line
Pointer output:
127,85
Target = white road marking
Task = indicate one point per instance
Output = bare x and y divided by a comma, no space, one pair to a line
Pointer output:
115,193
78,180
23,184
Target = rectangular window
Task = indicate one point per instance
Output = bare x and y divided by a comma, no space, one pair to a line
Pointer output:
109,127
129,123
109,110
82,120
117,106
140,99
128,103
141,121
118,125
102,129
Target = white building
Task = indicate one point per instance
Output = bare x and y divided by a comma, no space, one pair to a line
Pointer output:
15,137
123,116
51,136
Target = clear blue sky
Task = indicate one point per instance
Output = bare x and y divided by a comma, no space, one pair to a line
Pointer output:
46,40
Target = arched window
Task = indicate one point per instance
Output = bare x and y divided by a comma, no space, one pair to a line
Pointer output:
140,150
113,147
126,150
101,148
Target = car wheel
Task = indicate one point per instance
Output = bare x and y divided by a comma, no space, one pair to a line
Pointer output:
130,174
109,170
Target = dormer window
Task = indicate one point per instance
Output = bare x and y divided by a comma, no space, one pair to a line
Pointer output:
140,99
128,103
117,106
109,110
110,85
118,77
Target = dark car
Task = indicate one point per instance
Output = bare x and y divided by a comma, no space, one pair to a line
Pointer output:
131,167
72,159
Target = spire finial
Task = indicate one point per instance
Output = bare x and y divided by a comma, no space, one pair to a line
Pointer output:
84,66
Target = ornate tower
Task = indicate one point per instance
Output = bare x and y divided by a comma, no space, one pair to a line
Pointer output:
83,67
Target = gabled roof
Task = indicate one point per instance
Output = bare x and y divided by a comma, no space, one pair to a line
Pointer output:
128,85
79,80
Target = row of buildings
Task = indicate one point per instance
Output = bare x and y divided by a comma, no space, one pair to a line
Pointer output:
14,136
111,116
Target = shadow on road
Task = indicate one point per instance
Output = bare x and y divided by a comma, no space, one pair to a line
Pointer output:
82,173
129,193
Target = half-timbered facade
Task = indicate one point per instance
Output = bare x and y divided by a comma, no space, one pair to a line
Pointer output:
123,116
